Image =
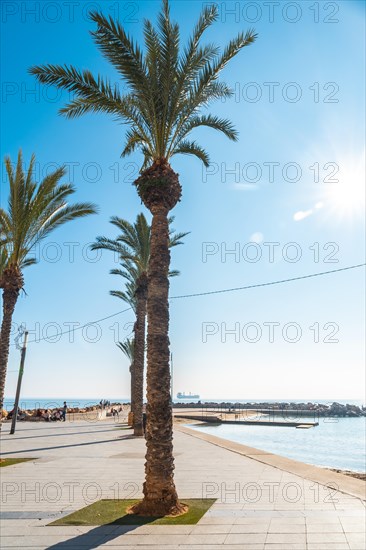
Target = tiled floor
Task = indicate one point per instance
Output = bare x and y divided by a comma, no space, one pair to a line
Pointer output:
258,506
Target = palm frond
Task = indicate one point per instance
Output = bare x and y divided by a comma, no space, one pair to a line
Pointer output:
167,85
35,210
128,348
186,147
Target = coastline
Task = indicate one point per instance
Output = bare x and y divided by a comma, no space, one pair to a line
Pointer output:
344,483
179,420
95,413
357,475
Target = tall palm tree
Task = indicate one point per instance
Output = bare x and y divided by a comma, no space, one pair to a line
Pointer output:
168,88
34,211
133,248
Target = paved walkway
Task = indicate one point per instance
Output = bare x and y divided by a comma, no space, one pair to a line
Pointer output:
259,506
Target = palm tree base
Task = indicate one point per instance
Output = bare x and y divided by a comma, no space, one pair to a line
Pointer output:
158,508
138,430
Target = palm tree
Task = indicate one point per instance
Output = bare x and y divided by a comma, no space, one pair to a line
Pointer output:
34,211
133,248
128,348
168,88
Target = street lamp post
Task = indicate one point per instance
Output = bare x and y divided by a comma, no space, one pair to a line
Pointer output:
20,376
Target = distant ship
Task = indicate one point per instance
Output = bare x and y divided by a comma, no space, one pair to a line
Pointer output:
183,395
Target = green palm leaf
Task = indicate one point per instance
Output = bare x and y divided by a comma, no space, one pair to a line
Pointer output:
167,85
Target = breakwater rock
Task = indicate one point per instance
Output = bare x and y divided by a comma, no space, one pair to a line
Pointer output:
320,409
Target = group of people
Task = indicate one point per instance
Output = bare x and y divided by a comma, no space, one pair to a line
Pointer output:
115,411
20,416
54,415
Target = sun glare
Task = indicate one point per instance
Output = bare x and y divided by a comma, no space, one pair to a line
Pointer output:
345,191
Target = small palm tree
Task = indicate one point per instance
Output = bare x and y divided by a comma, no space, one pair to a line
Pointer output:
133,248
168,88
34,212
128,348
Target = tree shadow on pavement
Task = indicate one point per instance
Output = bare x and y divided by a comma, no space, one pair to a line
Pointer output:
95,537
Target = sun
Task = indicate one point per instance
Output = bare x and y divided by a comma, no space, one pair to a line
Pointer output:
344,191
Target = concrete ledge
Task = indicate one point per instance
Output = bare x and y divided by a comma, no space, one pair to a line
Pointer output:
340,482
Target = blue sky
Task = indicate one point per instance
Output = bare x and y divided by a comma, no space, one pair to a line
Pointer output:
294,176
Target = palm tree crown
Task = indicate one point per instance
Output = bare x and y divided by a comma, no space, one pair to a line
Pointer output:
168,86
128,348
132,245
33,212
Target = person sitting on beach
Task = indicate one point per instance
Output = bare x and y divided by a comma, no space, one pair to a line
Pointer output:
21,415
56,415
46,415
10,414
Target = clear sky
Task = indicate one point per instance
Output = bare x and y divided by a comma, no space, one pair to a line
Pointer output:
295,176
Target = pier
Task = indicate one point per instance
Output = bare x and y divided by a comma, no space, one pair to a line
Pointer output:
245,419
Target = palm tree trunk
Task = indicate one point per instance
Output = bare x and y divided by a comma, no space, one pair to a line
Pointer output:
160,495
132,372
139,357
10,297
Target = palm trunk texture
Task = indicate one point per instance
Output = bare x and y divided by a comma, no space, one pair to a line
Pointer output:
9,300
139,360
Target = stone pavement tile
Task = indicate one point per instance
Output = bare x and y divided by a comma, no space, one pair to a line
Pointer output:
326,537
356,545
223,505
252,521
225,513
48,541
314,520
359,527
221,520
282,546
213,529
246,538
117,546
149,541
352,519
353,504
161,541
285,538
283,528
157,529
324,528
67,530
250,528
300,520
327,546
356,538
241,546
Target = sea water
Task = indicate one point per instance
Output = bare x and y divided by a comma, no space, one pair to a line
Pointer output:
335,443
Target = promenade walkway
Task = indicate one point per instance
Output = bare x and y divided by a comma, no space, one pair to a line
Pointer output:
263,502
